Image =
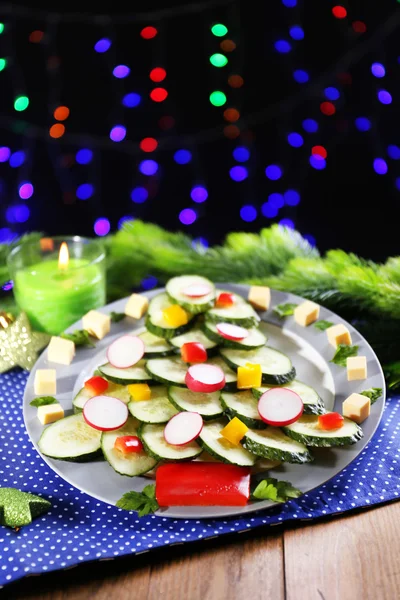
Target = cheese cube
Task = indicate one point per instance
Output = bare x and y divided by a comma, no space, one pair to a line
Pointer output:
338,334
61,351
50,413
136,306
356,407
96,324
45,383
260,297
249,376
234,431
356,368
306,313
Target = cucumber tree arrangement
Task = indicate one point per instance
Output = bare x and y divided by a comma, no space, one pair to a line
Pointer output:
200,383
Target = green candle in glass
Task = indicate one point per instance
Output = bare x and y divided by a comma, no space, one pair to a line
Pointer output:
58,280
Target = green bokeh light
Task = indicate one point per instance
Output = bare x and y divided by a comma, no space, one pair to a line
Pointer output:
218,60
217,98
1,27
219,30
21,103
3,63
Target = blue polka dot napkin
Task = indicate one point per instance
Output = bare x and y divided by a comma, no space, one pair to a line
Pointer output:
79,528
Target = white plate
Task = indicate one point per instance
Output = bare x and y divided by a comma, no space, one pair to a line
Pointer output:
310,352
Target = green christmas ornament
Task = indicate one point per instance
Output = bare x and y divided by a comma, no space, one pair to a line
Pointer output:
19,508
19,345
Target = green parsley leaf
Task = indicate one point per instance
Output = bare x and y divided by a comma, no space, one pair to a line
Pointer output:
43,401
143,502
372,393
80,337
97,373
342,354
277,491
116,317
322,325
284,310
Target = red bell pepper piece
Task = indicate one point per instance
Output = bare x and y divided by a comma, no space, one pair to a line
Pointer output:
193,352
202,484
128,444
224,299
96,385
332,420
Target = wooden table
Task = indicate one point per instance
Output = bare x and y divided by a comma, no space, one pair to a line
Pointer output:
342,558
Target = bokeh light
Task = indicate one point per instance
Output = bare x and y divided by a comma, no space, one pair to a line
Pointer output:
310,239
182,157
21,103
1,27
248,213
17,159
131,100
362,124
276,200
359,27
117,133
241,154
327,108
18,213
231,114
121,71
287,223
235,81
148,144
273,172
158,94
148,33
300,76
228,45
378,70
231,131
282,46
392,150
149,282
199,194
139,195
148,167
320,150
339,12
217,98
166,122
295,140
310,125
200,244
289,3
57,130
269,210
3,63
380,166
123,220
384,97
218,60
61,113
219,30
102,226
296,32
84,191
5,153
317,162
187,216
397,183
6,235
238,173
102,45
158,74
25,190
331,93
84,156
291,197
36,36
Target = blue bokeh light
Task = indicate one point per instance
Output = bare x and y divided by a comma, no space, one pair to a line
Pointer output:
310,125
248,213
84,156
291,197
238,173
148,167
296,32
7,235
17,159
139,195
182,157
273,172
121,71
301,76
149,282
380,166
4,154
397,183
393,152
295,140
276,200
289,3
187,216
384,97
102,45
282,46
287,223
200,244
331,93
269,211
310,239
317,162
84,191
378,70
363,124
18,213
118,133
241,154
199,194
101,226
131,100
25,190
123,220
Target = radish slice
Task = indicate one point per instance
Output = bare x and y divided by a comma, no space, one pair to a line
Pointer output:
205,378
280,406
105,413
232,332
196,290
183,428
125,352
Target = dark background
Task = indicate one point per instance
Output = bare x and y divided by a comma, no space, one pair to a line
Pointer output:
345,205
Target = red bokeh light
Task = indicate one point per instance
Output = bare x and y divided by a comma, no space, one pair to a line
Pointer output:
231,131
166,122
327,108
320,151
158,74
339,12
148,33
148,144
359,27
158,94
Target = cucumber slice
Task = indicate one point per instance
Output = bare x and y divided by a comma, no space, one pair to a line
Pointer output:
212,441
176,285
194,335
170,371
71,439
155,347
240,313
135,374
242,405
207,405
272,443
276,367
230,375
115,390
134,463
263,464
153,440
157,325
313,404
306,431
254,340
156,410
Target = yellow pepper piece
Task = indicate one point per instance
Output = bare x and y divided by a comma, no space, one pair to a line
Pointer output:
234,431
139,391
249,376
175,315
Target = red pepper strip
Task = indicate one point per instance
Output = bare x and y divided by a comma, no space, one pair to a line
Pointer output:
202,484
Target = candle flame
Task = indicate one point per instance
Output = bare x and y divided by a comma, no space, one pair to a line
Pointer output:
63,257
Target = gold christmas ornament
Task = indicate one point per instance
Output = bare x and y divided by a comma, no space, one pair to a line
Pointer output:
19,345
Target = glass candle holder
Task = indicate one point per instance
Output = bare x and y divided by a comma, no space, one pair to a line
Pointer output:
57,280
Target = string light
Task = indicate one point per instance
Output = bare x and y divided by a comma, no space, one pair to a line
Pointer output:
121,71
84,191
25,190
148,167
339,12
310,125
219,30
21,103
248,213
362,124
187,216
238,173
17,159
118,133
380,166
384,97
199,194
241,154
235,81
291,197
5,153
102,226
158,74
327,108
131,100
296,32
148,33
148,144
61,113
139,195
300,76
282,46
378,70
273,172
217,98
231,114
182,157
102,45
57,130
158,94
84,156
218,60
295,140
3,63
